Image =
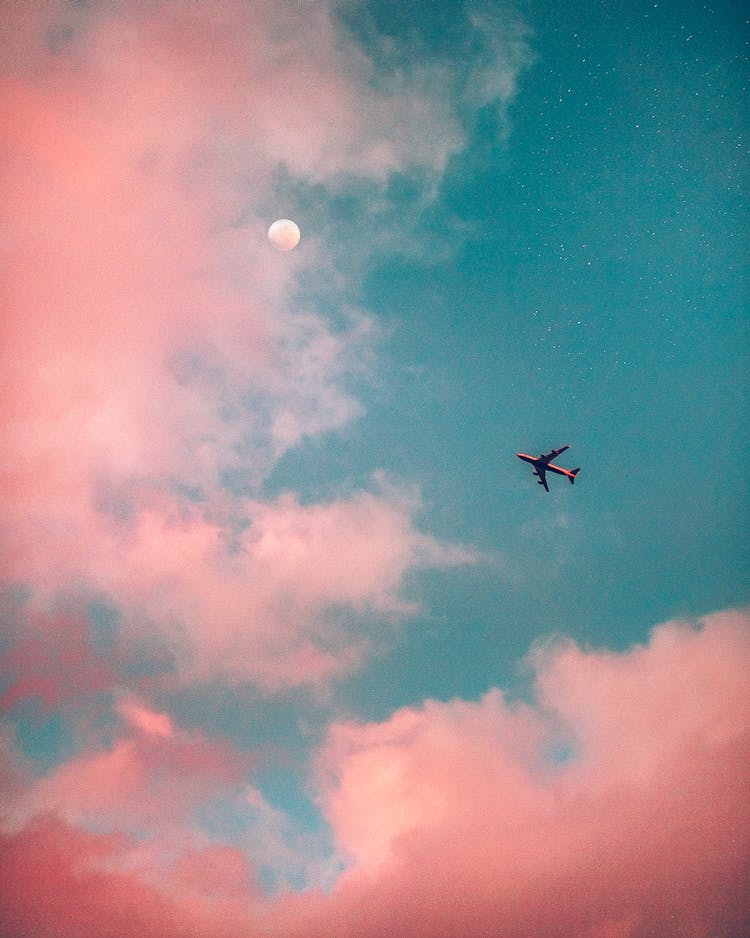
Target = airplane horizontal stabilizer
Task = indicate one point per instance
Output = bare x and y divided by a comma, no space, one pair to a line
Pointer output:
573,474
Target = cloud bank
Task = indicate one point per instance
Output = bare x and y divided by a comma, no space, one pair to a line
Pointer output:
158,359
612,803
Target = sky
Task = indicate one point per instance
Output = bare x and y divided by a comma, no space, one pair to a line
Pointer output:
291,643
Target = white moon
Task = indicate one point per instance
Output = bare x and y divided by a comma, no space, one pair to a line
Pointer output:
284,234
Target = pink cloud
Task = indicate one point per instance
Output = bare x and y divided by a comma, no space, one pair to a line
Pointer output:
149,780
142,718
611,806
154,342
108,842
258,606
126,161
54,662
468,818
55,880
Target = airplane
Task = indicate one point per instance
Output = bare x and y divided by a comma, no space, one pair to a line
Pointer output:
543,464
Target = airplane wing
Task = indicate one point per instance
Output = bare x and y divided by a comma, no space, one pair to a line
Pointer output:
542,477
548,457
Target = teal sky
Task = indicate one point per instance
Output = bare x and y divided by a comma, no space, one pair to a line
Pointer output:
596,295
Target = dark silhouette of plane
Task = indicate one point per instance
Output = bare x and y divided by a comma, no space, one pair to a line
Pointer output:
543,464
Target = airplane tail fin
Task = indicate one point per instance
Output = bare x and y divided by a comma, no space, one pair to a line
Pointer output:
573,474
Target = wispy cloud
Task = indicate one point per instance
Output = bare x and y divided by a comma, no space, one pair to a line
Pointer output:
158,358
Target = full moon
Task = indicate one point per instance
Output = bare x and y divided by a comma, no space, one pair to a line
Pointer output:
284,235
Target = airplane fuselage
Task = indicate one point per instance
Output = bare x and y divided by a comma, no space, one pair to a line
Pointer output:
538,463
